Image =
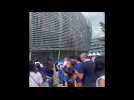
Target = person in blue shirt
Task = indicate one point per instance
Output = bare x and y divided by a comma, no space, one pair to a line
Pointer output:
87,71
65,75
77,67
49,72
61,76
69,72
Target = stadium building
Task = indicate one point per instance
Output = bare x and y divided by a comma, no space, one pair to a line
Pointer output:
55,35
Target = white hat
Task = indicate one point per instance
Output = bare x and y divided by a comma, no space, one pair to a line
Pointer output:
37,62
98,54
41,65
89,54
93,54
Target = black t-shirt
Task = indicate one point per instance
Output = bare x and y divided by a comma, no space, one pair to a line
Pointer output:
87,68
100,66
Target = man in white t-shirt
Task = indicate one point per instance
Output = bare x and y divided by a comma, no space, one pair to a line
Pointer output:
100,82
35,79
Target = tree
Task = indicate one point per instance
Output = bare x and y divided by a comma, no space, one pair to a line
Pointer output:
102,26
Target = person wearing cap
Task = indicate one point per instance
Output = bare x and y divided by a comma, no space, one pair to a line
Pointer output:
86,71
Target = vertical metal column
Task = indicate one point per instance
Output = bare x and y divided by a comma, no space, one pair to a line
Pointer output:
30,35
60,22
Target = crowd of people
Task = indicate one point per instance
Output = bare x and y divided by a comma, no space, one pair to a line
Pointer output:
82,71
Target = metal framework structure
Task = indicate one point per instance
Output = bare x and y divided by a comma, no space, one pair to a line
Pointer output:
97,45
54,31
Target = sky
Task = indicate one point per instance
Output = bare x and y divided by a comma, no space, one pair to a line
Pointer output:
95,18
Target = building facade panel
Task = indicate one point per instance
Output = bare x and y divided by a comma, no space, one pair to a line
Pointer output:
65,31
